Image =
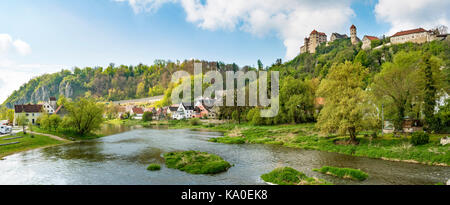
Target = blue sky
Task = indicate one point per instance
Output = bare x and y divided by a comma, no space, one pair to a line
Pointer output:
62,34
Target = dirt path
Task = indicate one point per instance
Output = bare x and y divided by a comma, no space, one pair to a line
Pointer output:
51,136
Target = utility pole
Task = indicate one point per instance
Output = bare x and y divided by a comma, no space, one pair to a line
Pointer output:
382,119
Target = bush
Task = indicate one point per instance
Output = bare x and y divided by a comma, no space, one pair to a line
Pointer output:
290,176
420,138
194,121
195,162
147,117
154,167
344,173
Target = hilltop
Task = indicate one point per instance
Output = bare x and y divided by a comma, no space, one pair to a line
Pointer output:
115,83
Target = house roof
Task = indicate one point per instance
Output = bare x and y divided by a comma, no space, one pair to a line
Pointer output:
27,108
121,109
353,26
371,38
188,107
173,109
52,98
402,33
138,110
316,32
339,35
320,101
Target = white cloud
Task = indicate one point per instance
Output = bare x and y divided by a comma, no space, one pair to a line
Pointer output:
145,5
291,20
409,14
6,43
22,47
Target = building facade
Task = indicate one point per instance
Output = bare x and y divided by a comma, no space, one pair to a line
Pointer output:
418,35
30,112
336,36
367,41
354,35
315,39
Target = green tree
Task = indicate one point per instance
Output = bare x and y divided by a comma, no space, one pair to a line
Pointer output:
398,84
346,107
147,117
85,115
22,121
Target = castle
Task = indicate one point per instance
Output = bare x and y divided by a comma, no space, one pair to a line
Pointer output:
316,38
419,35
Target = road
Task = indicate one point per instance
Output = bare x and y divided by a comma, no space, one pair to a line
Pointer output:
142,100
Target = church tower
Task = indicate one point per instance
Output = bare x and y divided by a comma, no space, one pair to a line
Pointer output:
354,37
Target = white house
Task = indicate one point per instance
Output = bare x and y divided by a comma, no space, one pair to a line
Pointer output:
184,111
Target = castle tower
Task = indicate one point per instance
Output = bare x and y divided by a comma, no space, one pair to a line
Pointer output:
353,35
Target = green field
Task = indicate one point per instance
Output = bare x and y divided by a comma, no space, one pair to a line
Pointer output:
27,142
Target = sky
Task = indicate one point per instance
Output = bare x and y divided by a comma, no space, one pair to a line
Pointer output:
45,36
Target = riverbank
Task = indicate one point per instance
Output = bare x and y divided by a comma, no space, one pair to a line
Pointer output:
305,136
67,135
28,142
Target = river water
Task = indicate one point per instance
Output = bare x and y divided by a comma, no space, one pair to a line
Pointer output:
122,159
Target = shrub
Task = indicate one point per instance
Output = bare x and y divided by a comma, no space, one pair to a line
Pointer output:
154,167
194,121
147,117
195,162
345,173
290,176
420,138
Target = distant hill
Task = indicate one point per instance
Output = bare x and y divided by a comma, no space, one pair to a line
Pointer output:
115,83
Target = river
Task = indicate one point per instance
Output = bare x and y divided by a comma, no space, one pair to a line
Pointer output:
122,158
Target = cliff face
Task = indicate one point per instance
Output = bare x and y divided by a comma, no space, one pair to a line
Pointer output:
39,90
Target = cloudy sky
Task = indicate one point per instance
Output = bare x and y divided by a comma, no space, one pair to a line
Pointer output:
44,36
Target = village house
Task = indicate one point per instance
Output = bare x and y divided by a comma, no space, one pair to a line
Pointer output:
137,113
184,111
30,112
367,42
171,110
418,35
50,106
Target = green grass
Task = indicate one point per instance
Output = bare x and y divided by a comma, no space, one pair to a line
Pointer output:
67,134
304,136
290,176
154,167
26,143
345,173
195,162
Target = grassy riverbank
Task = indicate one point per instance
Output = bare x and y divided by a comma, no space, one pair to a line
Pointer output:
344,173
305,136
27,142
66,134
194,162
290,176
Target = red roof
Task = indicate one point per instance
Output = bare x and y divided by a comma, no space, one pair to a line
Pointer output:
320,101
372,38
316,32
353,27
27,108
138,110
402,33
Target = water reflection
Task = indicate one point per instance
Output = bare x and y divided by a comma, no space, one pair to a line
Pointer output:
122,159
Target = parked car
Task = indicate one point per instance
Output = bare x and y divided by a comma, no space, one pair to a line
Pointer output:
5,129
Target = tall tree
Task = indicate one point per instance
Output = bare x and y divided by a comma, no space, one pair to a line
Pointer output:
85,115
346,109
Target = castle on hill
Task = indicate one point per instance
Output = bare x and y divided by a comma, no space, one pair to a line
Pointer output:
418,35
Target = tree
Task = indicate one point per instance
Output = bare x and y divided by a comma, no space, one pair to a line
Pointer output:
430,92
260,65
397,85
22,121
85,115
346,107
147,117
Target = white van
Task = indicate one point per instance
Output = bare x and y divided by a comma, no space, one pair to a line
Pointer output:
5,129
